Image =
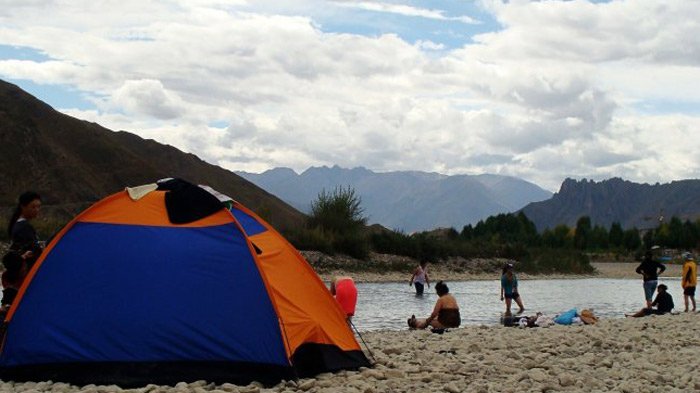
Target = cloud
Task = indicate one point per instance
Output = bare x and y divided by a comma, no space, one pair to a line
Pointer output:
405,10
147,97
556,91
580,30
429,45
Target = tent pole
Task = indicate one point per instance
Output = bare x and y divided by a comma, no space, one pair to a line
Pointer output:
374,360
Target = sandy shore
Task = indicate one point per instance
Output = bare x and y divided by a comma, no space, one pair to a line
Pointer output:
603,270
626,270
652,354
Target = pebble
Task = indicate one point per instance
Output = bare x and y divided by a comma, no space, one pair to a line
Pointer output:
566,379
452,388
394,374
306,385
611,356
537,375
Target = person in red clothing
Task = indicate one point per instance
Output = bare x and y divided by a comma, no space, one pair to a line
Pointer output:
345,292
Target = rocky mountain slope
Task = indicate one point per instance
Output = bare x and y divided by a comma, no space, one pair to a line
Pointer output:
408,201
73,163
616,200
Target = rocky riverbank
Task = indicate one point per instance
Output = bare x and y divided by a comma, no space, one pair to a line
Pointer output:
396,268
652,354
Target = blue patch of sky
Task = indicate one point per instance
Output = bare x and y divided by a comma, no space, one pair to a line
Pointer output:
57,95
666,107
449,33
9,52
218,124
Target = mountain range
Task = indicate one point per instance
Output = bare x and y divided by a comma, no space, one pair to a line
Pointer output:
73,163
617,200
408,201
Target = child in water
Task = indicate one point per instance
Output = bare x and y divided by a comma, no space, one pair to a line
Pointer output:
509,289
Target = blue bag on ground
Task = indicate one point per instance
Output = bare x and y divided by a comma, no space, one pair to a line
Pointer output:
566,318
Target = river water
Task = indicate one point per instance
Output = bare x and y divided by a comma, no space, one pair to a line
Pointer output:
388,305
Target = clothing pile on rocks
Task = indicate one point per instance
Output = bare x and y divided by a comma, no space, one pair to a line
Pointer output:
570,317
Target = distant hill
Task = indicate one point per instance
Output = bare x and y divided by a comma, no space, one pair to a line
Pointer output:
617,200
408,201
73,163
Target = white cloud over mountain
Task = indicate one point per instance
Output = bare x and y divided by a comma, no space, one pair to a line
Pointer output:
558,88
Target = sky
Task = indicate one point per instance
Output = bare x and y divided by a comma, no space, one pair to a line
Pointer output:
541,90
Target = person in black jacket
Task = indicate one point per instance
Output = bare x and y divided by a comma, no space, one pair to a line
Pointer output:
650,270
21,231
663,303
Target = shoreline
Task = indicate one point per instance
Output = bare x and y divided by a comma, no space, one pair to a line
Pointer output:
609,270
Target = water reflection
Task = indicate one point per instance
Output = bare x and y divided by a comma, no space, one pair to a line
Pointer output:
388,305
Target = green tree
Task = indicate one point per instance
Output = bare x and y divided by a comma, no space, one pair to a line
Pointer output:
690,235
528,231
583,233
340,217
662,235
616,235
598,238
338,211
467,232
648,239
675,233
631,239
559,237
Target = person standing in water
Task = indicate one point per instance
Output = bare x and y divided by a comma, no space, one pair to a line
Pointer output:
650,270
509,289
689,280
420,278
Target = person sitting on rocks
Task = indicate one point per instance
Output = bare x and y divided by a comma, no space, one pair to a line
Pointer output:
445,314
663,304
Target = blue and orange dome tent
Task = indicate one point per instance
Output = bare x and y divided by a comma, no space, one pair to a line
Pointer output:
166,283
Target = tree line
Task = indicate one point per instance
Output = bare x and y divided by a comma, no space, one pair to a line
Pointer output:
337,225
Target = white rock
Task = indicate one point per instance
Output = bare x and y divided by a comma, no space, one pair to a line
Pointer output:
452,388
306,385
394,374
393,351
229,387
374,374
537,375
566,380
325,383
